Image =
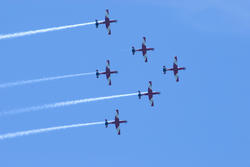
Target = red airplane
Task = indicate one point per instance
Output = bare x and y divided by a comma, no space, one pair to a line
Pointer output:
144,49
117,122
150,94
106,22
175,69
107,72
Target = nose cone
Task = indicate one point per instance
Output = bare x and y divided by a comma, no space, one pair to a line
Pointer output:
150,83
117,111
144,38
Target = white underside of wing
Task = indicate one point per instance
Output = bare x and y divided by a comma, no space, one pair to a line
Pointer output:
176,77
145,57
118,129
175,62
108,66
151,101
109,30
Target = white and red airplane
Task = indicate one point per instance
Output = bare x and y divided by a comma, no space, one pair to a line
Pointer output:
175,69
117,122
150,94
144,49
106,22
108,72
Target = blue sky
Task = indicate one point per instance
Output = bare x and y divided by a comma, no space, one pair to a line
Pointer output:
201,121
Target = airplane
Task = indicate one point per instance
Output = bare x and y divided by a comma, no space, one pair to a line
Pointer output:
150,94
175,69
144,49
106,22
117,122
107,72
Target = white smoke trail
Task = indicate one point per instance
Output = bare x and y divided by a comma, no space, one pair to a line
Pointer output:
11,84
35,131
20,34
65,103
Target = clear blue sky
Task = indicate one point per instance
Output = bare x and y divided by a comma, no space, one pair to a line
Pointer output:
201,121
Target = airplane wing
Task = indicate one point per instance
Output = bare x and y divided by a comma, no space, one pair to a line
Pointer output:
109,30
175,61
117,114
118,130
144,40
108,64
151,102
117,125
176,76
107,13
109,80
150,85
145,57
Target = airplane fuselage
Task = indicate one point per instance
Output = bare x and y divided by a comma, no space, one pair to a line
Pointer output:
107,22
107,72
144,49
176,69
151,93
117,122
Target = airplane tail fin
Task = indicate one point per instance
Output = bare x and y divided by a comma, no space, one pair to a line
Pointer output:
164,69
97,74
106,123
139,94
133,50
96,23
